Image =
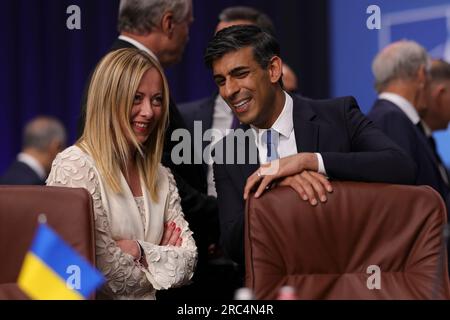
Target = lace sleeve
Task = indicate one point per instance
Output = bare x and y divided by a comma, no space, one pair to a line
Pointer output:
123,276
171,266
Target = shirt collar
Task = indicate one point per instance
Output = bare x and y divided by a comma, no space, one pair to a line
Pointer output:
32,163
284,123
403,104
138,45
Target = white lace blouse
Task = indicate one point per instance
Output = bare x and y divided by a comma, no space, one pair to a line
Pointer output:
121,216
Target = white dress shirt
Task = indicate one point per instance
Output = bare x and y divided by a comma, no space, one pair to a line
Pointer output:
287,144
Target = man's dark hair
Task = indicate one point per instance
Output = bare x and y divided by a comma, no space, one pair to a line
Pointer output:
231,39
256,17
440,70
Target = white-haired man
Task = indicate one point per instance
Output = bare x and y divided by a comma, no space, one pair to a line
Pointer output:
43,138
401,73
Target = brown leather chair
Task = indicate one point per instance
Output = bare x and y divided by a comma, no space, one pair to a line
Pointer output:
325,252
69,212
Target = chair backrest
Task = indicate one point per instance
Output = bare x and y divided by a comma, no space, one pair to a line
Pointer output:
69,212
334,250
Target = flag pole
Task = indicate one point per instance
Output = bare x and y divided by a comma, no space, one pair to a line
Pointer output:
42,218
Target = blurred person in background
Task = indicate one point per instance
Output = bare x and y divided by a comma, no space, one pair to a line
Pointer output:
402,80
42,139
438,114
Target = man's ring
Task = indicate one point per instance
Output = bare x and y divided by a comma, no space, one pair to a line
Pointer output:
258,173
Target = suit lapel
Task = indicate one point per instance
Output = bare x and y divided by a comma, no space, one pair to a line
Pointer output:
248,168
306,134
306,131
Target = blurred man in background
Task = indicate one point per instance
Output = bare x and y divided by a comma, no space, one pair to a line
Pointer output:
213,112
401,73
43,138
247,15
437,116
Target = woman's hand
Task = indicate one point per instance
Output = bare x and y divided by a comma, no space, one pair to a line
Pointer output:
172,235
129,246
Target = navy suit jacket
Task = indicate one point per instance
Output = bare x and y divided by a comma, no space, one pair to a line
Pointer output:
20,173
352,148
394,122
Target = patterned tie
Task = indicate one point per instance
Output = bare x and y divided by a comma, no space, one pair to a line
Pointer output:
272,139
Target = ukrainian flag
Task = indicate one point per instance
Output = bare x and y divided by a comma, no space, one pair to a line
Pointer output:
52,270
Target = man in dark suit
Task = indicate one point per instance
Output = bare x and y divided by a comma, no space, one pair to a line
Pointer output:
401,74
161,28
213,112
437,116
311,138
43,138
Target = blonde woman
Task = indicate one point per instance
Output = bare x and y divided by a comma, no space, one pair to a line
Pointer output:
143,242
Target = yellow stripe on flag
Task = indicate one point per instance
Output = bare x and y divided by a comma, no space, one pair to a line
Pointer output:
42,283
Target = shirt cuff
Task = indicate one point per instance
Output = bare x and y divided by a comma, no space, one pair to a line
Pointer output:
321,165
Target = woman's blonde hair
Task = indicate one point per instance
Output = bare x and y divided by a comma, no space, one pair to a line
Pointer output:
110,99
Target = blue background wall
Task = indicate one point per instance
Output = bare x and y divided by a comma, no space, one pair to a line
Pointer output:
353,45
43,65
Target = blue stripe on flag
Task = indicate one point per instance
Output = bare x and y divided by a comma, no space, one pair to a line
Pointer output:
65,261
